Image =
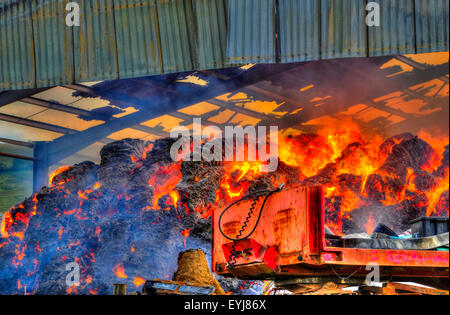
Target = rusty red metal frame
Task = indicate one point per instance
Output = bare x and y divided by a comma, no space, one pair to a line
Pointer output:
290,242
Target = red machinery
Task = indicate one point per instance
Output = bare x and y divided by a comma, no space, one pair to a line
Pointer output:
289,245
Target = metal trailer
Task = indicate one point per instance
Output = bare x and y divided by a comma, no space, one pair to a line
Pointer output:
289,246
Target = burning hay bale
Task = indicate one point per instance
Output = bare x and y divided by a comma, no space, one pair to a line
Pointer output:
392,183
193,269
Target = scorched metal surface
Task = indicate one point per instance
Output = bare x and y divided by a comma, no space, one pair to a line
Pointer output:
290,242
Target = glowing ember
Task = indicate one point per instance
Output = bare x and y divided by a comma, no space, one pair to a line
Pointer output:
138,281
119,271
185,233
237,177
175,197
15,221
56,173
163,181
143,157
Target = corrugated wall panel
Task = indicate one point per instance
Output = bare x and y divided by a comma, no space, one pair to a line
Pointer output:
138,46
343,30
95,42
53,43
177,35
16,46
211,25
299,30
432,19
148,37
251,35
395,34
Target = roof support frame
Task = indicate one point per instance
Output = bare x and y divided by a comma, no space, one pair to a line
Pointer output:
83,113
17,156
69,144
17,142
36,124
8,97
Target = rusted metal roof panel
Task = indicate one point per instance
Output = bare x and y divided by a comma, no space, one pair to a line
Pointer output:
211,25
343,28
299,30
95,42
251,36
133,38
432,23
53,43
16,46
137,36
395,35
177,35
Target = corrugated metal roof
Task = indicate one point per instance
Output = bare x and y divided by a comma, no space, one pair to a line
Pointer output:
251,36
432,19
93,61
394,35
16,45
137,35
177,36
53,43
343,29
299,38
133,38
211,25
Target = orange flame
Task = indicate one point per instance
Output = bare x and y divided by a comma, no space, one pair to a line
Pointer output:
237,177
57,172
438,143
138,281
143,157
434,195
163,181
119,271
350,154
185,233
313,152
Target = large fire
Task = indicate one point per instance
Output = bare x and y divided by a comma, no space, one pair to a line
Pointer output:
357,171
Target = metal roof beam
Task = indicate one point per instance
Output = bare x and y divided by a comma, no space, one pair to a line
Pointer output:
69,144
43,126
36,124
81,88
17,142
411,62
277,97
150,130
63,108
425,98
17,156
84,113
39,125
389,110
14,96
238,109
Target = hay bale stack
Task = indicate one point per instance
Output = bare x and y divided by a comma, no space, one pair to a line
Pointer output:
193,269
